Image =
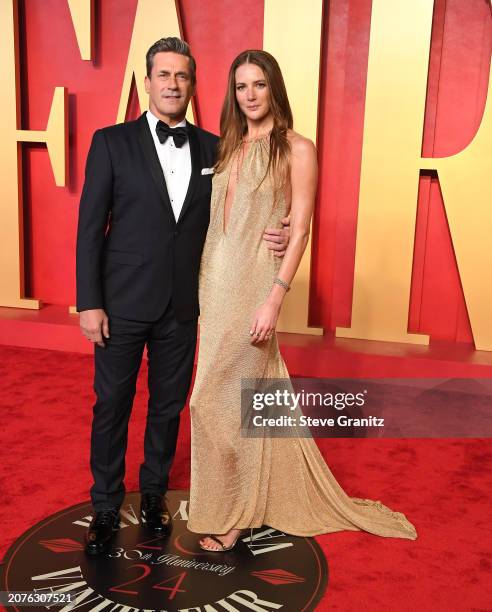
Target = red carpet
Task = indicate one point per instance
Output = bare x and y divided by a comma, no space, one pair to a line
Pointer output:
443,486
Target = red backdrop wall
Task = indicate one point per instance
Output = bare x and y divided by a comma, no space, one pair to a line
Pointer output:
217,31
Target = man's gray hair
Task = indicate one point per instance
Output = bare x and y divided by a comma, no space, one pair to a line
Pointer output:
174,45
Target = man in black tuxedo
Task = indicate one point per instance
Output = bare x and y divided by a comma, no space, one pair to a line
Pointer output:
143,219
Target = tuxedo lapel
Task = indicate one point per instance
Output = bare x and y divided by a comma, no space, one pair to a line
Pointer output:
148,148
195,168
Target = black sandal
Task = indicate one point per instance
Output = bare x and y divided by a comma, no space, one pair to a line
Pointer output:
222,545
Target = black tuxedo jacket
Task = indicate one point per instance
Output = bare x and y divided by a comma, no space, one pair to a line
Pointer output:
132,255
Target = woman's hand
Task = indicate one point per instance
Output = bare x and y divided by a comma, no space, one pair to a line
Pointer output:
264,322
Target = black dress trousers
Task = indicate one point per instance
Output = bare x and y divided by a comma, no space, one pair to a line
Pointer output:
170,349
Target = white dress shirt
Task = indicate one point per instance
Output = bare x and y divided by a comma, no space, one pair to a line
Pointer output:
175,163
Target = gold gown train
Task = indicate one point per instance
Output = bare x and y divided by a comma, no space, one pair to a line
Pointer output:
239,482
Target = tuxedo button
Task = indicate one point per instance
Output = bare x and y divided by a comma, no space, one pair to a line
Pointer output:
176,232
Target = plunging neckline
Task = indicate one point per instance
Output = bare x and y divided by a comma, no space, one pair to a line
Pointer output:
252,142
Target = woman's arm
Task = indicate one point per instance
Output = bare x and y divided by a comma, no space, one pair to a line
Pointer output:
304,179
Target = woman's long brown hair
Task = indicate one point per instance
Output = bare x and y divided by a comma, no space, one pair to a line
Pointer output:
233,124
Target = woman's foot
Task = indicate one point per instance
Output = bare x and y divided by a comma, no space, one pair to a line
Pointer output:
220,543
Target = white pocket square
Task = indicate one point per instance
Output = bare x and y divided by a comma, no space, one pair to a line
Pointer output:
207,170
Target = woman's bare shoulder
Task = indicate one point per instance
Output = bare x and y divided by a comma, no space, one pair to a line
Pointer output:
302,149
299,144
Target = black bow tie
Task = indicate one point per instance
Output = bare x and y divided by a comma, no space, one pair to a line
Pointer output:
179,134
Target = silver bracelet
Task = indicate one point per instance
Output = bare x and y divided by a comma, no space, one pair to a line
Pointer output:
282,283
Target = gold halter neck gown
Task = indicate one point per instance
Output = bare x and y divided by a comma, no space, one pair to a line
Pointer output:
239,482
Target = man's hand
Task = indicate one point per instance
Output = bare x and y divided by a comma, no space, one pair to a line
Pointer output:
94,325
278,239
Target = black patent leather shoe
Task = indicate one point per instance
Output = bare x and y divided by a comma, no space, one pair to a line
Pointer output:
154,510
101,530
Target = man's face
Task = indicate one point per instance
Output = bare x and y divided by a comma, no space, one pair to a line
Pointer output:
169,87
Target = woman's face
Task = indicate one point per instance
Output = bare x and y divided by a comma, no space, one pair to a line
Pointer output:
252,92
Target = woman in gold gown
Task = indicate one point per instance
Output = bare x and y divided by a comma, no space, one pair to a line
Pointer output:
265,171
